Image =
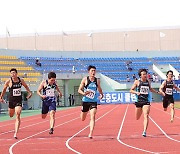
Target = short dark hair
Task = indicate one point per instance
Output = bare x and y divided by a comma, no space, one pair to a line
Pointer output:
91,66
142,70
169,72
51,75
13,69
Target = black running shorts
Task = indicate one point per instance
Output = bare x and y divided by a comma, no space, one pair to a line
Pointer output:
167,101
12,105
86,106
141,104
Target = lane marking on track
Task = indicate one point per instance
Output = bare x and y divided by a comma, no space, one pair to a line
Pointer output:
67,142
165,112
130,146
163,131
24,118
11,147
36,124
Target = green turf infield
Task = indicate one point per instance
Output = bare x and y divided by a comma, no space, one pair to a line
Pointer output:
177,105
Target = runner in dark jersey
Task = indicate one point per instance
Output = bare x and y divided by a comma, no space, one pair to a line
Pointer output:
166,89
143,87
88,88
15,97
49,98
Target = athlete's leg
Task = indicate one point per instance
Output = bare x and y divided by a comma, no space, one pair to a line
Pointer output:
44,116
146,110
18,120
92,121
165,109
83,115
11,112
172,112
84,110
138,112
52,118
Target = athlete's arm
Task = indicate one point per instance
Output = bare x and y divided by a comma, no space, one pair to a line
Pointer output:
100,89
58,90
175,87
81,87
161,88
27,88
132,90
40,88
152,90
6,85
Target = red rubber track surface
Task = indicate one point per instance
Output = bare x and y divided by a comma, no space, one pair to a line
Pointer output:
116,131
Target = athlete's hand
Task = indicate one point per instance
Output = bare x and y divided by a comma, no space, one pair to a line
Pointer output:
60,95
29,95
86,93
100,97
43,96
2,100
138,93
162,93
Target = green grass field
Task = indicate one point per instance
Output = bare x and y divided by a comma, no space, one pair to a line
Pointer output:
26,113
177,105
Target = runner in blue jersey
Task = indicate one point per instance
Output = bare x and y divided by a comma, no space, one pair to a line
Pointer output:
15,97
166,89
49,98
143,87
89,88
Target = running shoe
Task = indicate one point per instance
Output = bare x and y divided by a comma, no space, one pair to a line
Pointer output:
144,134
51,131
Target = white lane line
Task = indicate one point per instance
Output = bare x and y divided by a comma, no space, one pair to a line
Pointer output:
165,112
11,148
119,134
24,118
67,142
163,131
36,124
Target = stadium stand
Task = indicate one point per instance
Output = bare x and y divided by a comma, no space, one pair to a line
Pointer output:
27,72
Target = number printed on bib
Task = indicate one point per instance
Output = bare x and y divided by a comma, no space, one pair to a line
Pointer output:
169,91
91,94
144,90
50,92
17,92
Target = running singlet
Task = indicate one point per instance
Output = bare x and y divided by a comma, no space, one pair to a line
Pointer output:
143,88
15,91
92,87
49,92
168,88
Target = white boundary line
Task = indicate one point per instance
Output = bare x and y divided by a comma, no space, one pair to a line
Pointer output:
11,148
24,118
39,123
119,134
165,112
67,141
36,124
163,131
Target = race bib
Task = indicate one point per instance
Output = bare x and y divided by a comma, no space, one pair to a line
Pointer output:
91,94
168,91
17,92
50,93
144,90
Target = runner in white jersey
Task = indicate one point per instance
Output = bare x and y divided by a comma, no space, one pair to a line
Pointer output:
48,98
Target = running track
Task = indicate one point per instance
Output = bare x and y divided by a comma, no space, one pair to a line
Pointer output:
116,131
